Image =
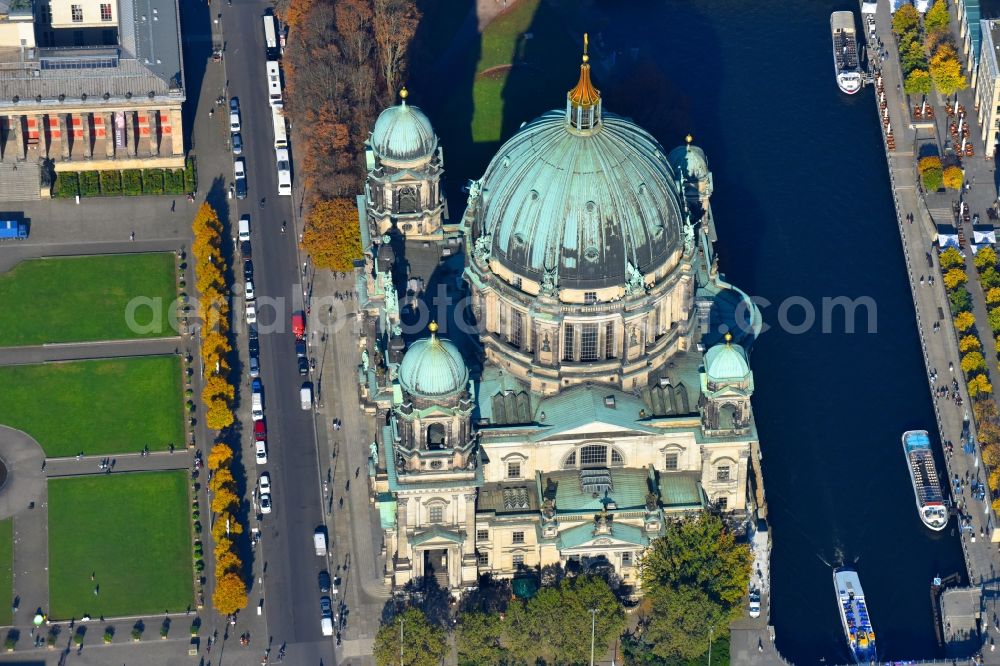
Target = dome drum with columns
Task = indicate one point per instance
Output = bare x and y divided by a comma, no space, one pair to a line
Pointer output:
595,413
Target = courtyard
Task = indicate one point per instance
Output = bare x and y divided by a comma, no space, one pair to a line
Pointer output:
81,299
98,407
120,544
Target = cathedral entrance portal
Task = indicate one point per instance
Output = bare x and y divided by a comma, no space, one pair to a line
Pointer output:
436,567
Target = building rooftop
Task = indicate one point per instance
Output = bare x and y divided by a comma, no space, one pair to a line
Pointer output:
508,498
581,534
681,490
581,491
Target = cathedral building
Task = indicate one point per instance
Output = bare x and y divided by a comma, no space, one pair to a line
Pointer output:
606,387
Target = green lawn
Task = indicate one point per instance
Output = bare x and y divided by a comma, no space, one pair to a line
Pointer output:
77,299
98,407
502,36
133,532
6,569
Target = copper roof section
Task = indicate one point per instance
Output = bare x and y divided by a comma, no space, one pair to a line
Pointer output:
585,94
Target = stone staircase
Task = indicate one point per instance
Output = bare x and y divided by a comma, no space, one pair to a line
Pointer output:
20,181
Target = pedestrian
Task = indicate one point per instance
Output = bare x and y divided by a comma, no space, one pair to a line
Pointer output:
44,461
356,472
173,205
131,236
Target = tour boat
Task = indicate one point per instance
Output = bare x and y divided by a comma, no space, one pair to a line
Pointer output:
923,475
854,615
845,52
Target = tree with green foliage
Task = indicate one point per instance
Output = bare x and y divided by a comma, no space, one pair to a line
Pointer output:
985,258
918,82
548,626
960,301
478,639
932,180
951,258
424,644
937,17
925,164
905,20
993,318
912,57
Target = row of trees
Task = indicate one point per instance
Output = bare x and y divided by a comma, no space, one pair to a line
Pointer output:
694,580
973,363
934,175
210,270
942,70
230,593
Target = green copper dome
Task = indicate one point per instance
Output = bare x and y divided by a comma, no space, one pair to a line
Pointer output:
587,207
726,361
403,135
689,161
433,367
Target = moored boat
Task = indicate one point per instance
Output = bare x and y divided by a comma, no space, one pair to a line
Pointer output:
854,615
845,52
923,475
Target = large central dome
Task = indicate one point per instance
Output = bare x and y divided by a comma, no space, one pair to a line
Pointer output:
582,203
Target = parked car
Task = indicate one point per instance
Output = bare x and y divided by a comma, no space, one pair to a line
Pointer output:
265,503
243,228
325,606
324,581
306,396
261,452
265,482
237,143
234,121
248,292
257,386
259,431
303,366
254,366
252,332
299,324
754,603
246,250
234,103
251,314
254,345
240,177
300,348
247,270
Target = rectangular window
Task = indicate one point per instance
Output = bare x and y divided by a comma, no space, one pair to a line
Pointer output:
515,328
105,11
722,503
517,537
518,561
588,342
626,559
514,470
722,473
483,559
436,514
594,454
568,343
482,535
590,297
77,13
670,464
609,340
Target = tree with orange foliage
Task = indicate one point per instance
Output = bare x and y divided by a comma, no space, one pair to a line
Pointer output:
222,478
217,387
332,237
230,594
395,23
218,415
220,456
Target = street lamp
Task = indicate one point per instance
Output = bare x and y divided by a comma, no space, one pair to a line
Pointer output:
400,641
593,622
710,630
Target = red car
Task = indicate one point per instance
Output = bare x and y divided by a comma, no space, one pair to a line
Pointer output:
299,324
259,431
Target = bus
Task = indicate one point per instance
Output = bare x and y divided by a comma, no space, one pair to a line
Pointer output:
271,36
284,172
273,82
280,130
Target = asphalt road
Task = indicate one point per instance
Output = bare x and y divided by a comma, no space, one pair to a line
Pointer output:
292,566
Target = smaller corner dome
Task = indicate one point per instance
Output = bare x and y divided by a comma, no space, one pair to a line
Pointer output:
689,160
433,367
726,361
403,134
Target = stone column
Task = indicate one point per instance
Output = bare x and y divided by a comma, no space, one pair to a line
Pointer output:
64,133
470,525
402,541
176,133
88,135
108,118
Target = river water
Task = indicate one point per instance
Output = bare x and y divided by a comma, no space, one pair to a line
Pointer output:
803,211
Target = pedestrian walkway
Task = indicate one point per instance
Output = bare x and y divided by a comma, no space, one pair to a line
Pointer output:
20,182
81,351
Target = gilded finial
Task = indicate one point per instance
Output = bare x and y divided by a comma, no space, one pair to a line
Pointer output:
404,93
586,45
689,139
584,94
729,338
433,328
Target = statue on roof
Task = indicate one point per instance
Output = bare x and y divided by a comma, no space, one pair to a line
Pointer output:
549,283
483,247
688,236
634,280
475,188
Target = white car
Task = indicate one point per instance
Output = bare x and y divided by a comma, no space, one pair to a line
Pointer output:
265,503
265,483
754,603
251,314
234,121
248,291
261,449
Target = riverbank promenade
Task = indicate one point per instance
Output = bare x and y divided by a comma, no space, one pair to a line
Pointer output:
918,216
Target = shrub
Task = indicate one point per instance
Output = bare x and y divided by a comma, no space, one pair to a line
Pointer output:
190,176
152,181
111,183
78,638
67,185
932,179
173,181
136,633
132,182
927,163
109,634
11,640
953,177
90,184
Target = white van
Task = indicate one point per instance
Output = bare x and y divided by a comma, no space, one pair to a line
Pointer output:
306,396
326,625
244,232
284,172
257,406
319,541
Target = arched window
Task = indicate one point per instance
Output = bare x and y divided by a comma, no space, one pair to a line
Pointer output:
616,458
594,455
728,417
435,436
570,461
408,200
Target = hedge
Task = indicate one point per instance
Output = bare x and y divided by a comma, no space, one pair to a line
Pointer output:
132,182
111,183
67,185
173,181
152,181
190,176
90,184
